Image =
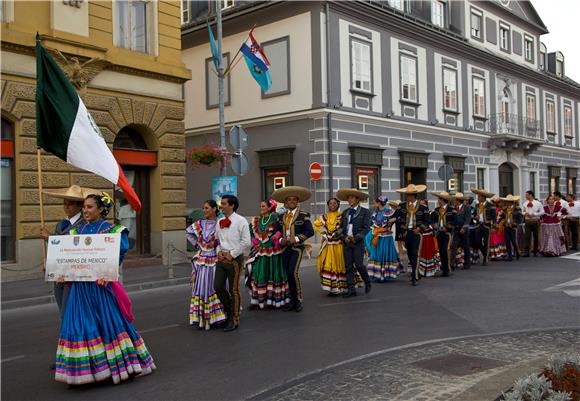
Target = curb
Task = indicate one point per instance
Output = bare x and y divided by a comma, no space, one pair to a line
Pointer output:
49,299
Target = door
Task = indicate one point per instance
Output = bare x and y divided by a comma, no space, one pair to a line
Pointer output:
417,176
506,180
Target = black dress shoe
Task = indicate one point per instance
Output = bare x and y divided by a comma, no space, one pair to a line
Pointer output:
414,283
510,259
349,293
445,274
230,327
298,307
526,255
535,255
367,288
289,307
518,256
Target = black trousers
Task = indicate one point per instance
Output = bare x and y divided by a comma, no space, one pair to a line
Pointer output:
511,242
461,240
412,243
291,258
573,227
61,292
532,230
230,297
481,243
443,243
354,259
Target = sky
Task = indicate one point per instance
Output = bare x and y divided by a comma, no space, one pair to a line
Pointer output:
562,17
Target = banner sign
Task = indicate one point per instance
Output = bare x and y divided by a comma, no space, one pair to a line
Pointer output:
87,257
223,185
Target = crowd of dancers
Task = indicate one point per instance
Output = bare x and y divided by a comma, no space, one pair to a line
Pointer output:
97,338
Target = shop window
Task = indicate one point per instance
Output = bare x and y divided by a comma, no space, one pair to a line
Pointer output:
276,167
414,169
554,179
7,206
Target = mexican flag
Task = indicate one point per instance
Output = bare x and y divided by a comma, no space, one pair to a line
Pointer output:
65,128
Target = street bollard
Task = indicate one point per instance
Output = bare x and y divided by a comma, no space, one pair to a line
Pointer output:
170,260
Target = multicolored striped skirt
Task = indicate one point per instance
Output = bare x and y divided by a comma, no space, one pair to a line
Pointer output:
268,281
205,308
383,259
429,258
96,341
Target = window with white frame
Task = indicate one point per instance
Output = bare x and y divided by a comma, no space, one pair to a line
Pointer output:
550,116
361,65
398,4
449,89
134,25
529,49
185,11
227,4
6,11
531,108
408,78
478,97
476,23
568,121
438,13
504,37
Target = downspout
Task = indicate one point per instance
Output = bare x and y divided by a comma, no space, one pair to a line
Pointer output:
328,104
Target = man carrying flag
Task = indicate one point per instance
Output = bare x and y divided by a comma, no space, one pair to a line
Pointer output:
65,128
257,62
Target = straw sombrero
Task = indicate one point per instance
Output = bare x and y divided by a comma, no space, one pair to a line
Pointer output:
280,195
74,193
394,203
482,192
510,198
442,195
412,189
344,193
459,196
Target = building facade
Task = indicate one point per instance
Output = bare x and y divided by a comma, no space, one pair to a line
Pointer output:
124,57
384,93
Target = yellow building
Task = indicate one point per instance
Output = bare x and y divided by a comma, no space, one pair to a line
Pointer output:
124,57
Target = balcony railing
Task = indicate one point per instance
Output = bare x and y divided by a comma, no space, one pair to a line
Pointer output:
515,125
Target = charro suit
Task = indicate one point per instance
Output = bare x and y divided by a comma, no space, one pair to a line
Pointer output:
461,235
360,218
443,220
485,217
413,216
512,216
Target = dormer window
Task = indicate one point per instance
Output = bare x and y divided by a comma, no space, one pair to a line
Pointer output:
559,64
543,52
438,13
529,49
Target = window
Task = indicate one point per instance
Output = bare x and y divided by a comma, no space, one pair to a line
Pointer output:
504,38
550,117
361,65
543,52
185,11
6,11
480,178
533,181
554,174
571,174
133,25
455,184
227,4
531,109
398,4
278,52
476,23
529,49
478,97
438,13
211,83
408,78
449,89
559,67
7,209
568,121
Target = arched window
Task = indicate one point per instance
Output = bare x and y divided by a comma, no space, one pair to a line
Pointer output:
7,209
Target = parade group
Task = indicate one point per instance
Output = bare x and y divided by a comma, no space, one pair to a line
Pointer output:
98,341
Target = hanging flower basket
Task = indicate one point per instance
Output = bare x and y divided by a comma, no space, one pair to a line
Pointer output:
206,155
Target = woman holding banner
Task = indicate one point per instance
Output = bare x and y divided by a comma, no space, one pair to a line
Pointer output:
97,339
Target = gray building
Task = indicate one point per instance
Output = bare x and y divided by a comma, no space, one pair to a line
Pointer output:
383,93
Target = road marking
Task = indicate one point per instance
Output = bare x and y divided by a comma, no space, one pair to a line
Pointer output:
169,326
571,288
14,358
365,301
573,256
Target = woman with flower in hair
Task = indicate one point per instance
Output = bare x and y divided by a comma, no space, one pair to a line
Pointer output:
331,267
383,257
97,339
205,308
268,283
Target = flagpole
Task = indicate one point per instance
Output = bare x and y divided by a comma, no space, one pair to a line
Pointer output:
220,67
39,170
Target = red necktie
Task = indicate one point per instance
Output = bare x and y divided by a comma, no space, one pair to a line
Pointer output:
530,204
225,223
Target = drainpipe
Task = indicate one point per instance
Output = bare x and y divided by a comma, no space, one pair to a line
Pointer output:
329,115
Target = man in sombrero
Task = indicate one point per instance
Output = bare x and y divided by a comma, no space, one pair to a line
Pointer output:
356,223
484,215
513,217
297,229
443,219
461,231
413,218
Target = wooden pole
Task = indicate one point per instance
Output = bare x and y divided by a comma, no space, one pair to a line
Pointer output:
41,207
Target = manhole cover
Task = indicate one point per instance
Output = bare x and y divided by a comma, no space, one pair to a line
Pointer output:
458,364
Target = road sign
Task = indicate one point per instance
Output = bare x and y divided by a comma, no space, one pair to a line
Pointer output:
445,172
238,137
315,171
239,163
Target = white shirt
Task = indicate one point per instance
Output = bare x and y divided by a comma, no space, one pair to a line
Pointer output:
236,238
349,227
533,212
563,205
74,219
414,212
574,211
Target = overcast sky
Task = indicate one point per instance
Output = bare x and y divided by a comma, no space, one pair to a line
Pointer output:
562,17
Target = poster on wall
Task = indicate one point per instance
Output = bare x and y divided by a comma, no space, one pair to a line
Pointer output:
223,185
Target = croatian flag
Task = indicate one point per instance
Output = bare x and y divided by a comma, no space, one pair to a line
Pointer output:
257,62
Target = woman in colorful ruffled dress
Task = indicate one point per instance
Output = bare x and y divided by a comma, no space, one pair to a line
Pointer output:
552,241
331,267
383,257
97,339
497,246
205,307
429,258
267,276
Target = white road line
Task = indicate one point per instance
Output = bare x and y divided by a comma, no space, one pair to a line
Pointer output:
559,287
573,256
169,326
14,358
365,301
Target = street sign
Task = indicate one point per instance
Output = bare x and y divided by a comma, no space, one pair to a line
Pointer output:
315,171
239,163
445,172
238,137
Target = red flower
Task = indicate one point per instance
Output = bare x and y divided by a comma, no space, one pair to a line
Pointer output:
225,223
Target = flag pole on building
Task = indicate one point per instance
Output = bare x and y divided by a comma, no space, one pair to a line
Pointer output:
220,68
40,197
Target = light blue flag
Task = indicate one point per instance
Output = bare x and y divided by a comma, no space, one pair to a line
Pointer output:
213,46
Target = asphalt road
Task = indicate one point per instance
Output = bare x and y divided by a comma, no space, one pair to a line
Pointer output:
273,347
